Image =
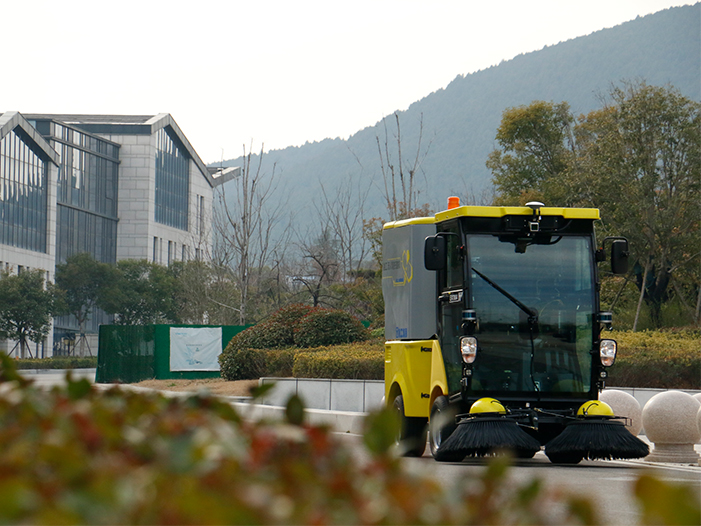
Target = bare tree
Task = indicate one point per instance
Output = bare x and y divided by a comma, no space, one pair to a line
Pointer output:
320,266
245,229
401,201
343,215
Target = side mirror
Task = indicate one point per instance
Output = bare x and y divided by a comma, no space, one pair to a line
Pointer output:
619,256
434,253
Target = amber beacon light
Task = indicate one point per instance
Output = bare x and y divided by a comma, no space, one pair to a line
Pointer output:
453,202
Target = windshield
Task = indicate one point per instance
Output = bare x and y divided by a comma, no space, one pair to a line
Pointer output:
534,302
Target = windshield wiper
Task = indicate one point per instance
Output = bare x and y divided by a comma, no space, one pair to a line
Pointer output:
532,313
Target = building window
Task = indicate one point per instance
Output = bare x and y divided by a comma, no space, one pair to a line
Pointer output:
155,250
23,195
172,181
201,218
86,192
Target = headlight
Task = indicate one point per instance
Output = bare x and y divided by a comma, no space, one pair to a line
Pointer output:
468,348
607,352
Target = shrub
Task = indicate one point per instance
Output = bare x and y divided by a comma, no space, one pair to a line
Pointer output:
250,364
329,327
353,361
667,359
290,315
58,362
275,332
292,325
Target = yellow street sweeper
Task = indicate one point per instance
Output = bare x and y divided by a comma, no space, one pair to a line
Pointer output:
495,338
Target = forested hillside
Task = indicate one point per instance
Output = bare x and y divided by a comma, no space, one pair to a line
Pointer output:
460,121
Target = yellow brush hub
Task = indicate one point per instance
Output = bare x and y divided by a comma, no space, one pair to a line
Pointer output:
595,408
487,405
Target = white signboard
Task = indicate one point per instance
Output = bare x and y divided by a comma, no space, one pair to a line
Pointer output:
195,348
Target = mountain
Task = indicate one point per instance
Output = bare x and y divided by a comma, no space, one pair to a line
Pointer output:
460,121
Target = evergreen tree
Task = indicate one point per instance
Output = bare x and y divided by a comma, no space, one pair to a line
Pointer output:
26,308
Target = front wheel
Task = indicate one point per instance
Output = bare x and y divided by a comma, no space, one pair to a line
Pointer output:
441,425
564,458
412,434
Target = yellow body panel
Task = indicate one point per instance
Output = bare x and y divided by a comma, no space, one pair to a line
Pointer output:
412,221
415,370
497,211
501,211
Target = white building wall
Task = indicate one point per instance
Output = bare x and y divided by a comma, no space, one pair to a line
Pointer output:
139,236
135,205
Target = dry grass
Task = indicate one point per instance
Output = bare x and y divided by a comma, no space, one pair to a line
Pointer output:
216,386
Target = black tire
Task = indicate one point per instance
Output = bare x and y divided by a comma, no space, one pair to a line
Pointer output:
412,435
565,458
441,425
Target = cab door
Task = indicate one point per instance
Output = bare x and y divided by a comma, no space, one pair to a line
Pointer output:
451,301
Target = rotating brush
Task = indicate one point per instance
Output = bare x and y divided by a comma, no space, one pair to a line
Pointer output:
595,438
484,435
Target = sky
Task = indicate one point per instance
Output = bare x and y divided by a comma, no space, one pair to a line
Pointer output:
270,74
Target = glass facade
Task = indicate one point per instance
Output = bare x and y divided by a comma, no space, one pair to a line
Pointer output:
23,195
86,194
86,204
172,181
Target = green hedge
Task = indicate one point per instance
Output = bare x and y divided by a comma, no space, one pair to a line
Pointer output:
250,364
667,359
361,361
58,362
269,348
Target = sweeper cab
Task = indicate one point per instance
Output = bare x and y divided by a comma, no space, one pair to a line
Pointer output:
495,338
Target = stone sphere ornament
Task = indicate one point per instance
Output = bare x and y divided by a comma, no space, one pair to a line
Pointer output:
670,422
624,404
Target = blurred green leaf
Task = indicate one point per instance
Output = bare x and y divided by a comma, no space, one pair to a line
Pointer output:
259,391
77,389
294,412
665,503
381,431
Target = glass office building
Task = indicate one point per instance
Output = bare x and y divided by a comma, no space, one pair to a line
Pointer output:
114,186
86,206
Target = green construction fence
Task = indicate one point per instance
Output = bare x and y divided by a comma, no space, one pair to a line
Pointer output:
129,354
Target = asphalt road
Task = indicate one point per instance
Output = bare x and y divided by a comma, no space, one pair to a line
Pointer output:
51,377
609,484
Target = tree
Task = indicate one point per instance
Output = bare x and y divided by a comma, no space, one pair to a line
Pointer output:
343,217
246,244
641,162
398,175
321,267
536,152
26,308
203,293
637,159
82,280
142,293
